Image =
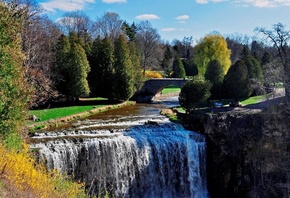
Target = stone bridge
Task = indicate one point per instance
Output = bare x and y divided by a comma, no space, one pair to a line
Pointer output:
154,86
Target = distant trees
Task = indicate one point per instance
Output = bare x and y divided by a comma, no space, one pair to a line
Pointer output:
212,47
280,37
194,91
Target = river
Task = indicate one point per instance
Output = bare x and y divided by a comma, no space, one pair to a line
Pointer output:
132,151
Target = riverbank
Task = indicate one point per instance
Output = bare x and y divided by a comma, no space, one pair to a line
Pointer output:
62,120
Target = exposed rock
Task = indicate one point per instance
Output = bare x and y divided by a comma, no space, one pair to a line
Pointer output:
247,153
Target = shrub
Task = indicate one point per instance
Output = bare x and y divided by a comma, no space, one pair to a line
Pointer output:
194,91
21,171
153,74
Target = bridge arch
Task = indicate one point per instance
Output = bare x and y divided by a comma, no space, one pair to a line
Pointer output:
153,86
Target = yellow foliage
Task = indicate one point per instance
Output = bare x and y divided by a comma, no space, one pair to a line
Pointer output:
153,74
25,174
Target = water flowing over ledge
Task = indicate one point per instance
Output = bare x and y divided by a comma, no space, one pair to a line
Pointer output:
129,158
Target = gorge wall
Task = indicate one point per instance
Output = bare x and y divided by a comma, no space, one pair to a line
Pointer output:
247,154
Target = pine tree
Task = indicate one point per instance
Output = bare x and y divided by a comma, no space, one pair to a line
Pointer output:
236,81
178,68
61,63
106,71
123,83
94,75
78,65
214,74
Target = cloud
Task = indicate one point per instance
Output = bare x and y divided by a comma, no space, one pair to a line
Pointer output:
168,29
253,3
65,5
114,1
147,17
182,17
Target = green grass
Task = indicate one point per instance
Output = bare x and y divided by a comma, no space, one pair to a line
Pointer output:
253,100
53,113
170,89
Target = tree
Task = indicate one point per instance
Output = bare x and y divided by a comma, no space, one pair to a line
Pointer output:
147,41
77,22
212,47
138,77
109,25
130,31
214,74
123,83
78,67
178,68
167,60
14,89
280,37
255,74
194,91
71,68
102,64
236,81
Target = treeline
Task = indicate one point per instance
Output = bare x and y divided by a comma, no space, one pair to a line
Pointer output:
77,57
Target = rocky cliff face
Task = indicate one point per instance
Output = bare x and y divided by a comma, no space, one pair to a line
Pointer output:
247,154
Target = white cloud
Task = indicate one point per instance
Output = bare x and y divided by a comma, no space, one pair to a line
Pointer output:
114,1
254,3
65,5
182,17
168,29
147,17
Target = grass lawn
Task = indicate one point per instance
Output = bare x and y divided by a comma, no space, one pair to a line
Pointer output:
226,102
85,105
170,89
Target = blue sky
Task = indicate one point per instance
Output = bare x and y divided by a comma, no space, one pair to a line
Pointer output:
175,19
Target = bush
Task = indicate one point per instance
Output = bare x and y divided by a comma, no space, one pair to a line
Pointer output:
194,91
22,174
153,74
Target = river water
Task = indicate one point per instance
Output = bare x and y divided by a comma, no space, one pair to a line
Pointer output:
119,152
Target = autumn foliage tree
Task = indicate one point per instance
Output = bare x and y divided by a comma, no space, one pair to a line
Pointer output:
212,47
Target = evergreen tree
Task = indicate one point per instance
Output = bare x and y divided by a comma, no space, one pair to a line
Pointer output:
78,65
123,83
14,89
61,63
106,71
214,74
190,67
167,62
178,68
138,77
245,52
94,77
236,81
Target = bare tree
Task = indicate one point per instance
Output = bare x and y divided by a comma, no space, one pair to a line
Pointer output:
110,25
77,22
148,42
280,37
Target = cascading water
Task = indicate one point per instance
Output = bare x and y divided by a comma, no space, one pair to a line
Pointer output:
127,157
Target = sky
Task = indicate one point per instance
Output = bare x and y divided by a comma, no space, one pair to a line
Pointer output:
176,19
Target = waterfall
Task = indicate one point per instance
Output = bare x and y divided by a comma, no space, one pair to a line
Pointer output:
155,160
